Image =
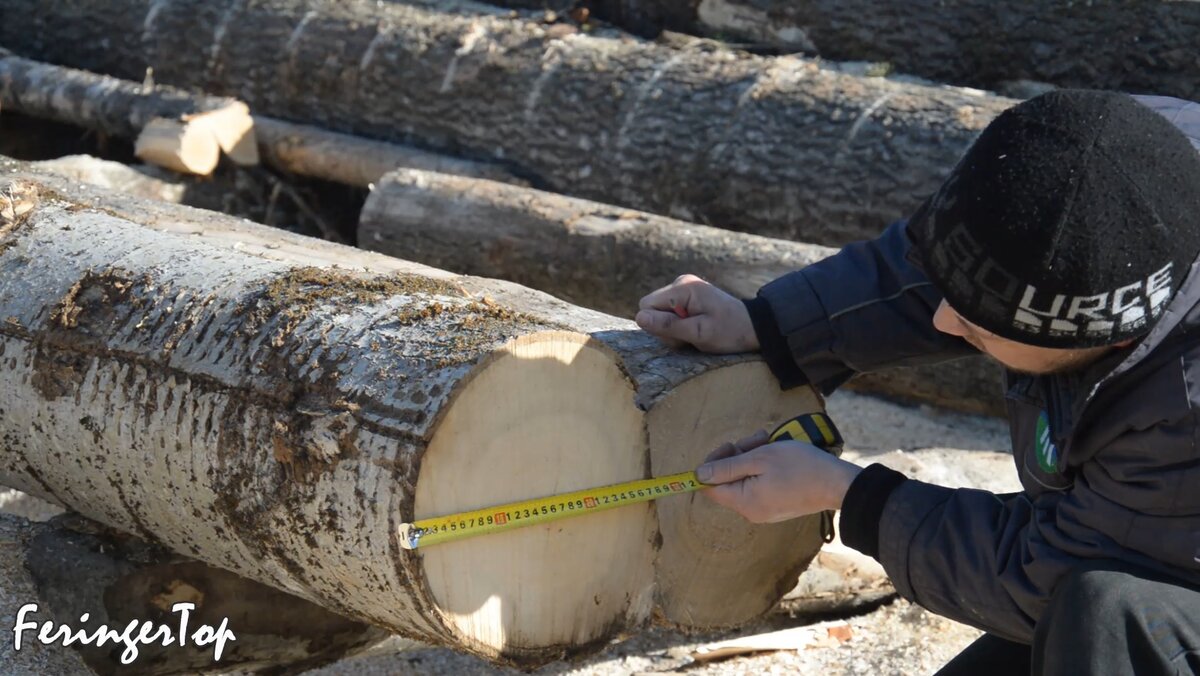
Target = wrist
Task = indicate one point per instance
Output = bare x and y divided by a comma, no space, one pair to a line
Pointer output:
839,484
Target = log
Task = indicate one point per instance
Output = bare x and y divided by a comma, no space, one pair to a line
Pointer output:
775,146
1148,46
70,567
276,406
144,181
174,129
178,146
607,258
186,132
310,151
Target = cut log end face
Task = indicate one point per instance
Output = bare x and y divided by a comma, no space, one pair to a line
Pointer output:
716,568
552,413
179,146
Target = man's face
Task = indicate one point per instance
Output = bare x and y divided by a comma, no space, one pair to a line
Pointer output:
1017,356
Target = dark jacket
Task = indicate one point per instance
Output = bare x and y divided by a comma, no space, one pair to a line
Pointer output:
1108,457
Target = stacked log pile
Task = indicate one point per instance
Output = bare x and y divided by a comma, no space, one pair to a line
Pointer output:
264,410
779,147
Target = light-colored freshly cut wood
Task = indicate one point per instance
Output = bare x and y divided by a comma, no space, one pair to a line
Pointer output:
607,258
779,146
277,407
703,545
179,146
71,568
233,128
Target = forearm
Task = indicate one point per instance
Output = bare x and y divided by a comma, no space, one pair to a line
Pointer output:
865,308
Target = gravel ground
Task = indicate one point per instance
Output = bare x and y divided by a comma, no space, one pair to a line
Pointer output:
897,638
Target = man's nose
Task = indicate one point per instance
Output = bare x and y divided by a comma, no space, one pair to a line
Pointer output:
947,321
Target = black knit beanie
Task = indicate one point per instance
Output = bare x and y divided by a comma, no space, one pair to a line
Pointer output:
1070,222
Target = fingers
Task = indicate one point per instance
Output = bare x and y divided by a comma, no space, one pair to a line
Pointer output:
726,470
668,325
733,496
676,294
753,441
726,450
742,445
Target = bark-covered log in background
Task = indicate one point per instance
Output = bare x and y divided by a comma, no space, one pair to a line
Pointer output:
776,146
1143,46
124,108
607,258
108,105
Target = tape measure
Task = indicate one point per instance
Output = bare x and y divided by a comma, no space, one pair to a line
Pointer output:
813,428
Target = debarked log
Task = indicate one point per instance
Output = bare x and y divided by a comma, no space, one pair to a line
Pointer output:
277,406
607,258
83,578
775,146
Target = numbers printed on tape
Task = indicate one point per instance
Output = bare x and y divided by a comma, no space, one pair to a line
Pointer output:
529,512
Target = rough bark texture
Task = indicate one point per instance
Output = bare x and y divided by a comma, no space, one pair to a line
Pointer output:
607,258
216,393
105,104
1147,46
353,160
144,181
124,108
777,146
71,566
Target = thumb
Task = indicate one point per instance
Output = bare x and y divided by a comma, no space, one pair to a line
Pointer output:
730,469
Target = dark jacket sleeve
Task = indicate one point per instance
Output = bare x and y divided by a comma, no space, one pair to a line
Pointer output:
993,561
865,308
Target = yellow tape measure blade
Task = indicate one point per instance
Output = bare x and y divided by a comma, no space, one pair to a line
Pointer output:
515,515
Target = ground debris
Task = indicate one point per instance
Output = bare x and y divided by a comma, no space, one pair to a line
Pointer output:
17,201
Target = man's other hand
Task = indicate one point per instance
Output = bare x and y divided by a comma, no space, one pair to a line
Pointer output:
770,482
690,311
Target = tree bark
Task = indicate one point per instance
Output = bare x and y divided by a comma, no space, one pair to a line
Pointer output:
225,389
607,258
777,146
310,151
105,104
70,567
1148,45
125,108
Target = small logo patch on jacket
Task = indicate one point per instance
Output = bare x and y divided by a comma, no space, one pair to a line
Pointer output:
1047,452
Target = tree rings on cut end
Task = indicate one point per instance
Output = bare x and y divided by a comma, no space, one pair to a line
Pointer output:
715,568
550,412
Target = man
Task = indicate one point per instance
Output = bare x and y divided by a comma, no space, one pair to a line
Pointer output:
1063,247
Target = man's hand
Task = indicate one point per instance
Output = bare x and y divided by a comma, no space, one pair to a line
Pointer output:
769,482
692,311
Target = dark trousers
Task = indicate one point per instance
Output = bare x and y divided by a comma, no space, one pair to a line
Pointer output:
1107,620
